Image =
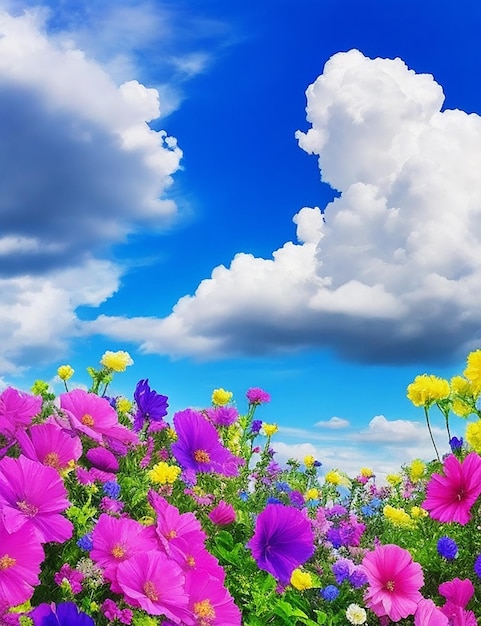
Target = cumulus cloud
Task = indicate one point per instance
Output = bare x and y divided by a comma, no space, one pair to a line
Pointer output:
80,168
334,423
388,271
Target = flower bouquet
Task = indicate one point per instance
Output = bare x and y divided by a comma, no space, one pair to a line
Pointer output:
111,512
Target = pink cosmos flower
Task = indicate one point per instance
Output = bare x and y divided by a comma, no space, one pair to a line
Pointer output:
33,495
210,602
394,582
50,444
21,554
428,614
155,583
449,498
458,593
17,409
117,539
103,459
223,514
94,416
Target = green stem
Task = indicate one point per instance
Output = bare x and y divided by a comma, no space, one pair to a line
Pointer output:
426,413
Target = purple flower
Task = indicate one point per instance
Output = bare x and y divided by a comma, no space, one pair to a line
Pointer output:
223,514
455,443
85,542
63,614
103,459
330,593
255,395
341,571
283,540
358,578
198,447
296,498
222,415
150,404
447,548
256,427
72,576
112,489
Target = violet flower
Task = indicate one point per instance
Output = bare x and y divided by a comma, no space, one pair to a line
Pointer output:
150,405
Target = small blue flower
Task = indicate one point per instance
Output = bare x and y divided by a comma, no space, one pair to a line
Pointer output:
112,489
330,593
85,542
477,566
455,443
447,548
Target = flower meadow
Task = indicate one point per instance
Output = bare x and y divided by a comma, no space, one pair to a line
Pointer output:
115,512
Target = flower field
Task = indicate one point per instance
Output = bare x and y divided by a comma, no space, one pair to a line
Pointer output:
113,511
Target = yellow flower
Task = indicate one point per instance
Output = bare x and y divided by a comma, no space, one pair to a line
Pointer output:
65,372
416,470
333,477
163,473
309,461
427,389
473,435
270,429
356,614
394,479
461,386
312,494
116,361
473,370
418,512
460,408
221,397
397,516
123,405
366,472
171,434
301,580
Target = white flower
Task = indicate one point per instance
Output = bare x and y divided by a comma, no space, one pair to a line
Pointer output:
356,614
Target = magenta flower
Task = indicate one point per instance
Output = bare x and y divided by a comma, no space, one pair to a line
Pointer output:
50,444
73,577
21,554
449,498
17,409
283,540
198,447
95,417
117,539
223,514
428,614
33,495
255,395
394,582
222,415
210,602
458,593
103,459
153,582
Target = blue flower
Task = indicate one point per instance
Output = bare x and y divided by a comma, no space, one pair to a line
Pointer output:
455,443
63,614
447,548
112,489
330,593
85,542
477,566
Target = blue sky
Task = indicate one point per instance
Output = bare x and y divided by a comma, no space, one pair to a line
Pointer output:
278,194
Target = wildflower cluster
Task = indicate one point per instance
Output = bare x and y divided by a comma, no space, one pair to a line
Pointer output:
115,512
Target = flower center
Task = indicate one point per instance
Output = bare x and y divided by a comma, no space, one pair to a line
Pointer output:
118,551
190,561
461,494
390,585
30,510
87,420
150,591
202,456
204,611
7,561
52,459
172,534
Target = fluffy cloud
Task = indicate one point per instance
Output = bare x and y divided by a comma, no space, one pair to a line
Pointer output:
80,169
335,423
388,271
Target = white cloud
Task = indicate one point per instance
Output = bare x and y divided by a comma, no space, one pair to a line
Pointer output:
334,423
388,271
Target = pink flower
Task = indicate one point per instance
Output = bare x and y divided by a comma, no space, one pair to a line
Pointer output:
210,602
116,540
32,494
450,497
17,409
255,395
458,593
73,577
50,444
95,417
153,582
21,554
223,514
394,582
428,614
